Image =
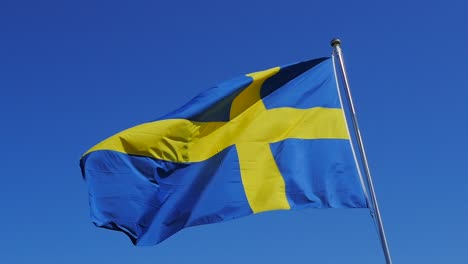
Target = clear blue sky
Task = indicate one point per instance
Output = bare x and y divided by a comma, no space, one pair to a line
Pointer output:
75,72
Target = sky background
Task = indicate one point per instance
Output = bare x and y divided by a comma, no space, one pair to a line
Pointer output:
75,72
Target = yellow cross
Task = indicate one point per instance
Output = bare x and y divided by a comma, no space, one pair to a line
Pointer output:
251,129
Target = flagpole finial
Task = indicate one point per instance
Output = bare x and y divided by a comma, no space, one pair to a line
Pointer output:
334,42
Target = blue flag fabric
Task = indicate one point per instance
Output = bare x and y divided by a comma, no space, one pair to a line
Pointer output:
269,140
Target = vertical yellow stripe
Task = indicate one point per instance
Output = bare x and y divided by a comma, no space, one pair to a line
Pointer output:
251,94
263,184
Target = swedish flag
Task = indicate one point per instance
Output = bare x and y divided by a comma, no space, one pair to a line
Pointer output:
270,140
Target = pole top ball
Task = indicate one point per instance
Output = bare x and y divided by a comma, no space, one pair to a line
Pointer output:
335,42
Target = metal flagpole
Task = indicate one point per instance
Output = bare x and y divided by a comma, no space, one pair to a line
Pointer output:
383,240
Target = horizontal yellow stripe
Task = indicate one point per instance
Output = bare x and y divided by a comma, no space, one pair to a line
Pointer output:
182,140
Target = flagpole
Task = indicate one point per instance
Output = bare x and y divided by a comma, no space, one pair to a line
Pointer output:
335,43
